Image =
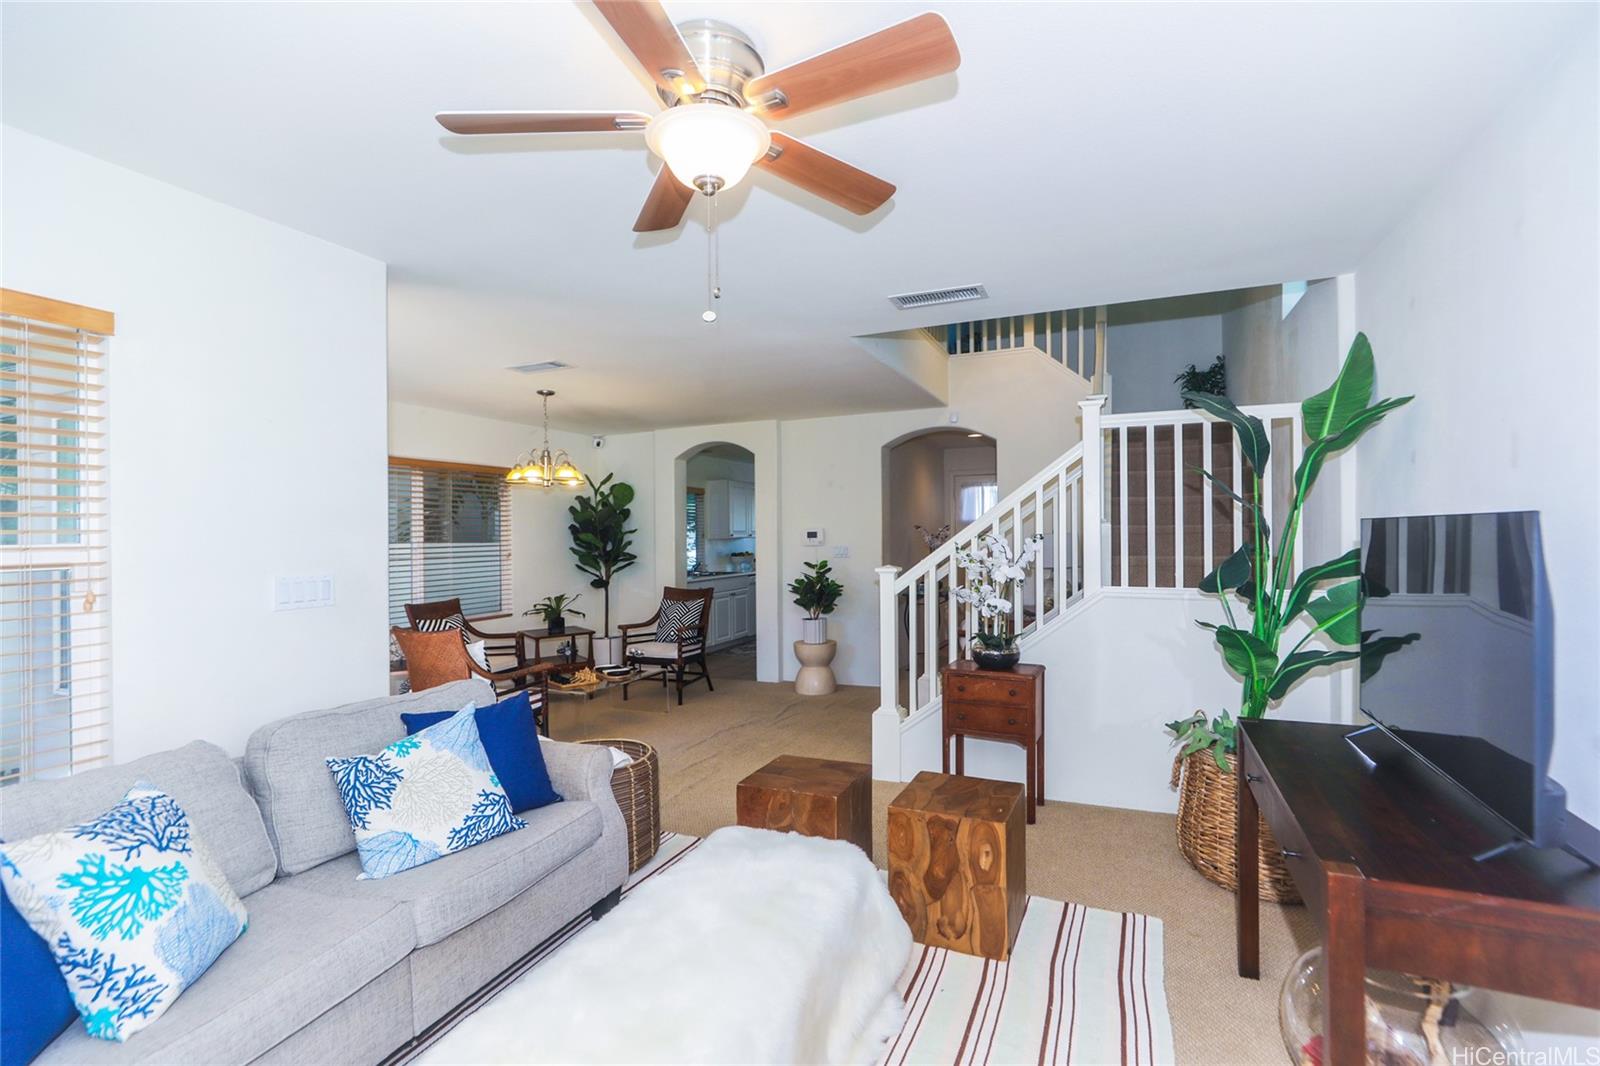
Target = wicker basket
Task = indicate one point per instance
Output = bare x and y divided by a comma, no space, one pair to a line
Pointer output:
637,786
1207,816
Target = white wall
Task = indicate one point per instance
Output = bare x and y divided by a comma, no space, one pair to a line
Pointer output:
1482,302
1143,358
1252,344
247,384
1120,667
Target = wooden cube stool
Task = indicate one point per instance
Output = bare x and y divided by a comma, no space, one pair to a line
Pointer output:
956,862
812,797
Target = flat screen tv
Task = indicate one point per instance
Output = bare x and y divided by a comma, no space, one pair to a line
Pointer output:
1471,692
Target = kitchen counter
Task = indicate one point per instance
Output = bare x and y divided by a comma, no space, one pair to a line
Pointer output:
701,579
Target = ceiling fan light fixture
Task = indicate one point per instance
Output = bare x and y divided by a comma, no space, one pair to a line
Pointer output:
708,146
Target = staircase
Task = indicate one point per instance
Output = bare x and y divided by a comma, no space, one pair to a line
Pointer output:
1110,510
1151,488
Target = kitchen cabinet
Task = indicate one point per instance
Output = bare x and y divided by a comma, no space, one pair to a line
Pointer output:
730,509
733,608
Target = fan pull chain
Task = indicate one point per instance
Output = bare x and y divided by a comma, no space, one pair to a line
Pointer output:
713,266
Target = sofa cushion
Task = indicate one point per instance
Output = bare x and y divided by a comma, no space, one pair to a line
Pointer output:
425,796
299,958
34,1002
284,760
510,734
457,890
132,905
199,776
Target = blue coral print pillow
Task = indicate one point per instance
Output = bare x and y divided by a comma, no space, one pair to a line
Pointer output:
132,907
422,797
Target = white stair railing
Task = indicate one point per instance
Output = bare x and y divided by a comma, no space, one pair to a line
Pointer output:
1170,526
1101,510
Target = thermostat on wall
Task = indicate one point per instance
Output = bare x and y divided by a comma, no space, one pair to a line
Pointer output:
815,538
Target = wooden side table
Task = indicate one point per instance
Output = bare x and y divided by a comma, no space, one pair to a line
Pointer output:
1003,705
537,638
957,867
812,797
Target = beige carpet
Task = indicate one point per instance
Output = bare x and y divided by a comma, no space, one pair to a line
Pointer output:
1099,856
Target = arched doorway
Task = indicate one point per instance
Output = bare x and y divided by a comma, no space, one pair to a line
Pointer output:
717,517
934,482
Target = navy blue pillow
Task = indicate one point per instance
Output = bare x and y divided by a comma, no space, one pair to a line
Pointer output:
511,740
35,1006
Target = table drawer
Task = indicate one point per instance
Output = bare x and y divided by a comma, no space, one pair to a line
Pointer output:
968,716
963,687
1297,854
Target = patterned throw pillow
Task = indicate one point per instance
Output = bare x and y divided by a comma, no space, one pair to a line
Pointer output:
677,618
439,625
133,908
423,797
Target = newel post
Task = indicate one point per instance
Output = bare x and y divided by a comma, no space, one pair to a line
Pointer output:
1094,458
886,719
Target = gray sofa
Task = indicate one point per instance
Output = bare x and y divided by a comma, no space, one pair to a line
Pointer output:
332,969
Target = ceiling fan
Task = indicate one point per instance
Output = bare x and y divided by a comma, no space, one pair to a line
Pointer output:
719,100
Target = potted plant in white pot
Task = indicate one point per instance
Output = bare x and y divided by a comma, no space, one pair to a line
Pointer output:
816,593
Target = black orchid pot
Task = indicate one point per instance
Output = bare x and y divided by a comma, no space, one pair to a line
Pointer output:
556,624
996,658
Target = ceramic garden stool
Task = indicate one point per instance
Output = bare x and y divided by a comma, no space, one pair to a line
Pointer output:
956,862
816,675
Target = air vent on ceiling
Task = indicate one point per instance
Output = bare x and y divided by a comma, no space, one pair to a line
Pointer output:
538,368
907,300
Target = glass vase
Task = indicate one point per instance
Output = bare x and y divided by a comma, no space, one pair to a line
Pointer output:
1411,1021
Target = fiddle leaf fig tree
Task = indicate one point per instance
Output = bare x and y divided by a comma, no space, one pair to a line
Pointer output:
601,539
1258,575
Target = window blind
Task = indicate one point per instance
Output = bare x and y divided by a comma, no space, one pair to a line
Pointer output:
691,527
55,594
449,537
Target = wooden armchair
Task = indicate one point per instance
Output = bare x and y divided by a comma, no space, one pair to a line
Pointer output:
691,610
434,659
447,614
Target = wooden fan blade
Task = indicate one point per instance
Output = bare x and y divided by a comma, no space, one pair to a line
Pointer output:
832,179
664,207
542,121
649,34
908,51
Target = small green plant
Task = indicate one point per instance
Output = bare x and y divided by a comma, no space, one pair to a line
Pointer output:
601,539
557,606
816,593
1260,576
1213,380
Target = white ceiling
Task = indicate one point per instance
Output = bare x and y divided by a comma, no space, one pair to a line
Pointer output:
1084,153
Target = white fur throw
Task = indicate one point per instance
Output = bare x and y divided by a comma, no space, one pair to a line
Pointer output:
759,947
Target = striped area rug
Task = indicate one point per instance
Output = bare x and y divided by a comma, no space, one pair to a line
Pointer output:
1082,986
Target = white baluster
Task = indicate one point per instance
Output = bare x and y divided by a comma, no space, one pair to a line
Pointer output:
888,648
1178,541
1207,501
1125,579
913,697
930,626
1150,506
1094,474
1238,488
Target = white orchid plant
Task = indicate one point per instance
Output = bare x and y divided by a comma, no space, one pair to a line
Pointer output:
994,576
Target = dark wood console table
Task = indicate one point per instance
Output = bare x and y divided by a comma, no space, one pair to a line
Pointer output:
1003,705
1383,854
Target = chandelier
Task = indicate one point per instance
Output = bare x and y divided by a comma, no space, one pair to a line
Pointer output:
545,468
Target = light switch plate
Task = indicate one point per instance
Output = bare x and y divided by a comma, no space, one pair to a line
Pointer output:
300,593
842,552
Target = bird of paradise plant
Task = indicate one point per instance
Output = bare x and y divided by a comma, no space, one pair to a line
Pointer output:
1260,576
